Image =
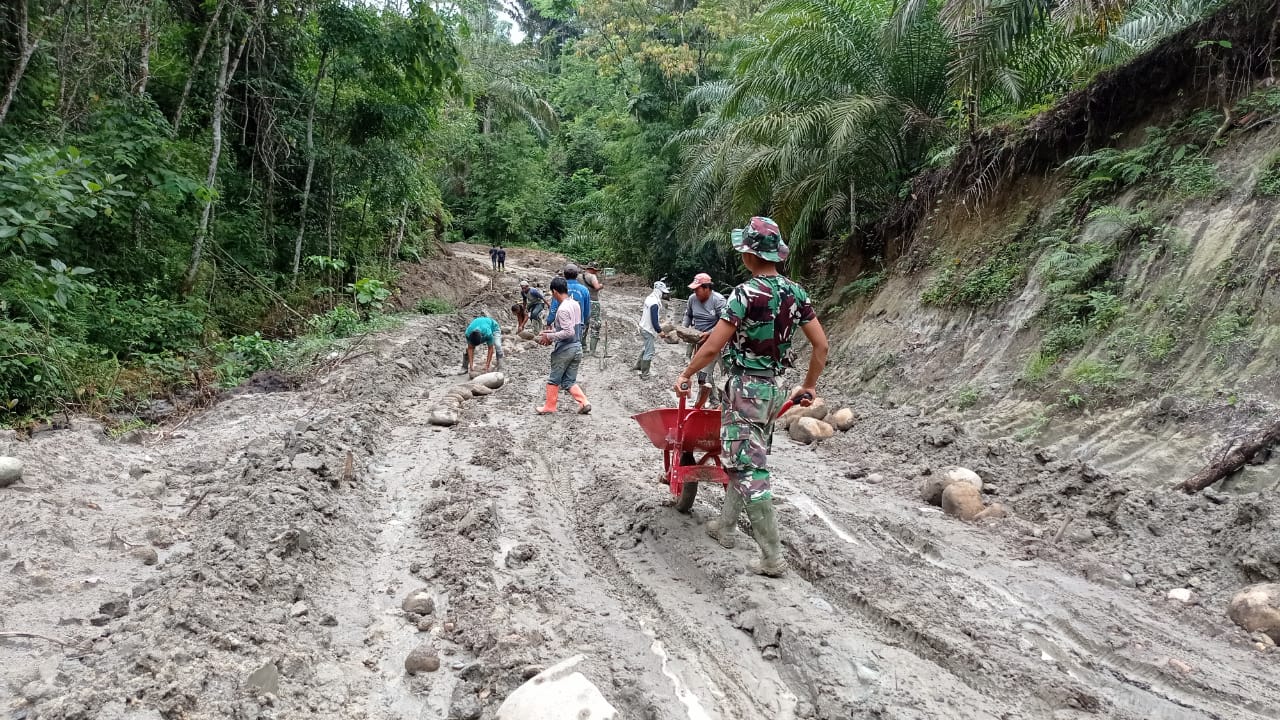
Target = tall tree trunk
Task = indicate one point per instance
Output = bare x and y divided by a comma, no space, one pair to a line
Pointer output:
311,166
144,56
226,71
26,48
394,250
195,67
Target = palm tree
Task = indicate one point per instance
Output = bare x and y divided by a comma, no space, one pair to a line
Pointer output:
827,114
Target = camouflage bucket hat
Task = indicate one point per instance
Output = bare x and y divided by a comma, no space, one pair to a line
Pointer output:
761,237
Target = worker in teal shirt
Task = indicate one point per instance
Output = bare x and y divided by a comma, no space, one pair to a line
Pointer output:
484,330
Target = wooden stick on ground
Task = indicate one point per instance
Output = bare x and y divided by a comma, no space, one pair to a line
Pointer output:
1234,460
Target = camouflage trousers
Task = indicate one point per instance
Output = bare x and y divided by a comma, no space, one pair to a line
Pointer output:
746,433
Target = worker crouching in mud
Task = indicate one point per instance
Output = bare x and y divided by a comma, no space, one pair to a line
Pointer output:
566,332
483,330
756,326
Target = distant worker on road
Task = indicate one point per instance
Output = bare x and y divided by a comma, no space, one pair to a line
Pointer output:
702,313
534,302
651,327
756,325
483,330
566,356
591,279
493,256
502,259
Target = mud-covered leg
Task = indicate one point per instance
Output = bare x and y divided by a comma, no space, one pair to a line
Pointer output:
744,434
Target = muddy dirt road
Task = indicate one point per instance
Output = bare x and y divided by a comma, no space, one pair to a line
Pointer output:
252,561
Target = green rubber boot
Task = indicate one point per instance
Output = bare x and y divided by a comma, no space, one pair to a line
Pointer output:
764,528
637,365
644,369
724,528
595,340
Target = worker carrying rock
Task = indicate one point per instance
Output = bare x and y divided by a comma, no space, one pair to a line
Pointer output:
651,327
484,330
754,332
702,313
566,356
534,303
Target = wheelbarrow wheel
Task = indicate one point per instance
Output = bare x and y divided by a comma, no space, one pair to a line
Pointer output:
688,491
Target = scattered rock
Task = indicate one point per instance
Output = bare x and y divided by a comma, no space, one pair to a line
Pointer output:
420,602
1183,595
265,679
299,609
936,483
493,380
526,334
137,471
444,416
147,555
962,500
115,607
10,471
404,363
1256,608
422,659
477,389
939,437
462,391
874,479
520,554
150,489
809,430
1180,666
841,419
1044,455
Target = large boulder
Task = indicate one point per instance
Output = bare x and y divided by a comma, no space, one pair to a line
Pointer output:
962,500
1256,608
935,484
841,419
526,334
818,410
557,693
808,430
10,471
688,334
493,380
477,389
422,659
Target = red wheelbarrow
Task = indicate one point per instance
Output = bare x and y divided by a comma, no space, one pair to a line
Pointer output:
689,439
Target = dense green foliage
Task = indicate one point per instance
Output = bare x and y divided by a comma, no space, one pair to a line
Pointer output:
182,181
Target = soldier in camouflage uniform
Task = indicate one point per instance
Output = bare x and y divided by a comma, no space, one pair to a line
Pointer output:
756,325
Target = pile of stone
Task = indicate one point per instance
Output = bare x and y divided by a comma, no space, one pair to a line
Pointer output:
958,491
818,422
449,406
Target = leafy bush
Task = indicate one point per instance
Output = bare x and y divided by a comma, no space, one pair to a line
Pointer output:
144,325
434,306
862,287
966,397
1195,178
1064,338
1229,336
369,294
32,374
244,355
1269,181
341,321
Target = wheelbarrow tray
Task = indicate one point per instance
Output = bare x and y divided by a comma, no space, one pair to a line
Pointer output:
700,432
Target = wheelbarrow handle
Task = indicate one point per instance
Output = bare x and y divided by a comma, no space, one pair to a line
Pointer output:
790,403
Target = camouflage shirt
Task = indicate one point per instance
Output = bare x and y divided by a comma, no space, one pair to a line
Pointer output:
765,311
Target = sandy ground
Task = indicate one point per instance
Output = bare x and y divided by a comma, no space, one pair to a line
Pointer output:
251,562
